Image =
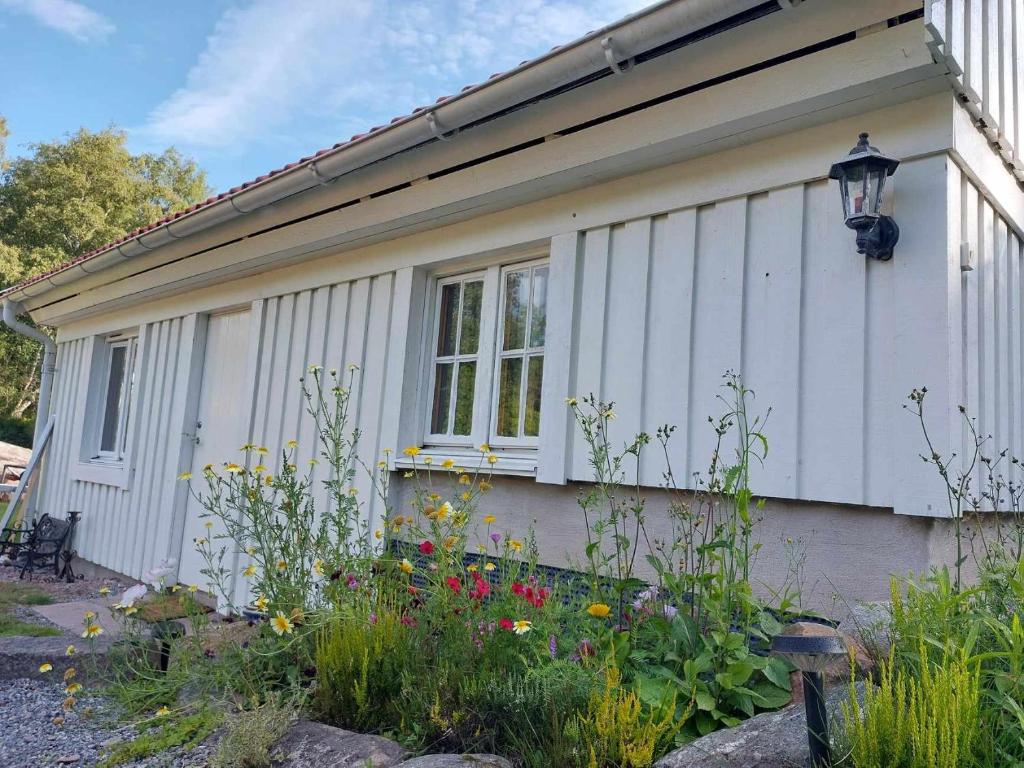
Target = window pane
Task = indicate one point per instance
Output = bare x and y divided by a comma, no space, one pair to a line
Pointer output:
472,297
538,307
448,323
534,374
464,398
508,396
132,359
442,396
517,303
112,403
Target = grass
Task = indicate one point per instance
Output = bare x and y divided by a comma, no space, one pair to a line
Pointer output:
159,734
12,594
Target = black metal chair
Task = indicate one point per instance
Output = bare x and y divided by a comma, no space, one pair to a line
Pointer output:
46,543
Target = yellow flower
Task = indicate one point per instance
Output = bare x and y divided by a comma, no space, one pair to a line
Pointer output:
489,567
93,630
465,479
485,448
268,480
571,402
443,511
353,491
176,588
428,460
405,566
247,447
70,651
69,703
489,519
185,476
260,603
407,474
450,542
262,451
130,610
388,451
233,468
382,464
472,568
481,548
599,610
281,624
162,712
522,626
46,667
208,524
378,533
318,567
292,444
466,496
315,368
515,544
90,615
69,674
250,571
484,486
412,451
492,459
104,591
447,463
282,565
313,462
259,469
73,688
200,541
193,588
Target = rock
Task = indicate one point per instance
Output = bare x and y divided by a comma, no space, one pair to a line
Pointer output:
68,759
769,740
308,743
868,623
456,761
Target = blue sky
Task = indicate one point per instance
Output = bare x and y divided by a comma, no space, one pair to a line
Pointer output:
247,86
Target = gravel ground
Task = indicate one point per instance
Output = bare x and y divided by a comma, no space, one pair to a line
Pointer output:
30,739
60,590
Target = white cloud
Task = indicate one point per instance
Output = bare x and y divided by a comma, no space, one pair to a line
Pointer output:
67,16
274,69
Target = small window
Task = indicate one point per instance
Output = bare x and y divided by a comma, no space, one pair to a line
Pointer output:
487,357
118,390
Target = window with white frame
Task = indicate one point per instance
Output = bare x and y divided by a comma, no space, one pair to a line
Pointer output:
115,398
486,362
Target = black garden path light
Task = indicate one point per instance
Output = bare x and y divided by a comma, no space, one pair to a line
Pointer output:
813,648
861,175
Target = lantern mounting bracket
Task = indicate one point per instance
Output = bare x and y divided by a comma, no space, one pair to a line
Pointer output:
877,241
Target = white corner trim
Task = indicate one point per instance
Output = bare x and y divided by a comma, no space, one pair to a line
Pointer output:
523,464
102,473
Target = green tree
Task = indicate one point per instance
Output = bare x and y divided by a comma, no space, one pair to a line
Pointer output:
66,198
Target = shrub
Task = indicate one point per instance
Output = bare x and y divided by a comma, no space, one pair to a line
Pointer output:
248,736
16,431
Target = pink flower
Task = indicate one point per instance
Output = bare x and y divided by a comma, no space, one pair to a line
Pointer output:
518,589
454,585
506,624
427,547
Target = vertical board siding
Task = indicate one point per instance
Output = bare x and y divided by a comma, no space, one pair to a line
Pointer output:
992,333
981,42
768,286
121,528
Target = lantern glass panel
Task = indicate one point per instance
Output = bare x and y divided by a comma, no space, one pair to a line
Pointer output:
874,183
853,193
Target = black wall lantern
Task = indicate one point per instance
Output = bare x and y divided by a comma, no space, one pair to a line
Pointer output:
861,176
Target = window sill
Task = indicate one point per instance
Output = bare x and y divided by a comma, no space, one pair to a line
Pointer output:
101,473
520,463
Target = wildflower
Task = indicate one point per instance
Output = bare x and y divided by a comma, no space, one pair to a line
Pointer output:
69,703
130,610
466,496
485,448
412,451
259,469
233,468
292,444
73,688
200,541
193,588
353,491
318,567
351,581
522,626
315,368
250,571
447,463
353,367
45,667
553,647
282,565
69,674
599,610
281,624
405,566
485,486
208,524
610,415
518,589
465,480
268,480
250,551
261,603
427,547
388,451
489,519
454,584
174,589
506,624
162,712
185,476
472,569
89,615
428,460
104,591
443,511
450,542
377,534
262,450
70,651
495,537
489,567
492,459
93,630
571,402
382,464
515,544
481,587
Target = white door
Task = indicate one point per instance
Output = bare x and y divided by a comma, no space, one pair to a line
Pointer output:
221,428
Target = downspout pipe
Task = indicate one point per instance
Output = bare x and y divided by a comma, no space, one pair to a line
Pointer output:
10,316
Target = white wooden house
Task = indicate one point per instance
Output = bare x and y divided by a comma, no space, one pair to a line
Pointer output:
631,214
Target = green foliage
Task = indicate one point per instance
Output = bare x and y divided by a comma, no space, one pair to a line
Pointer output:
925,720
163,732
248,736
16,431
13,593
66,198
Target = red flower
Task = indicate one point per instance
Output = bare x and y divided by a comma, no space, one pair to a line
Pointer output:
427,547
506,624
518,589
454,584
481,589
408,621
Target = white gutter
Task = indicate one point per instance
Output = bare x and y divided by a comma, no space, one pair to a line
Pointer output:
10,316
642,31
